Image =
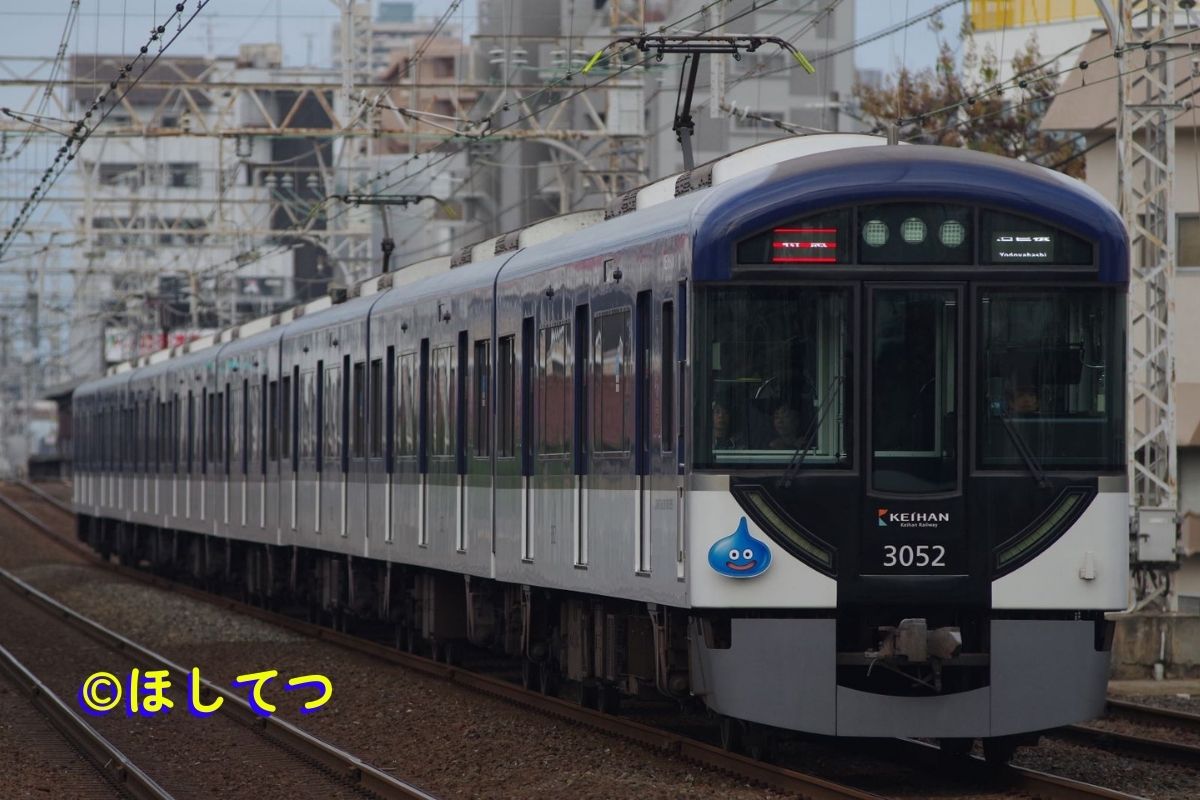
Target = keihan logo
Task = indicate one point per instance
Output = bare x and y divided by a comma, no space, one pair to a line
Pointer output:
911,519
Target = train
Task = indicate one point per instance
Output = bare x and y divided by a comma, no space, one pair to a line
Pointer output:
827,435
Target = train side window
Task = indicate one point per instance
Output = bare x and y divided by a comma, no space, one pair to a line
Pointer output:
283,437
506,400
247,428
191,430
375,416
389,434
583,319
203,421
340,422
359,432
442,384
553,389
304,404
527,399
227,429
483,444
460,407
666,401
423,409
163,449
265,424
291,417
612,395
643,419
406,406
273,422
210,428
348,413
316,430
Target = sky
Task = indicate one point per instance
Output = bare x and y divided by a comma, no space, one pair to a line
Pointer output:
305,27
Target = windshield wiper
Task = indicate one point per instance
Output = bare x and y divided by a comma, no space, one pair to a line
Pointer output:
810,435
1024,451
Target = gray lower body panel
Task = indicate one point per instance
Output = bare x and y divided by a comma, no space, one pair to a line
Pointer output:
782,672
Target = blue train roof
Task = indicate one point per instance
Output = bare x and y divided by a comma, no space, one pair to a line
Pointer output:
770,196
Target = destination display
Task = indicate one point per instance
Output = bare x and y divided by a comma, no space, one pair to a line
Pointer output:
1024,247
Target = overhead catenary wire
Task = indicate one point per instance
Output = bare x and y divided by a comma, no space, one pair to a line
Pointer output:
83,129
463,139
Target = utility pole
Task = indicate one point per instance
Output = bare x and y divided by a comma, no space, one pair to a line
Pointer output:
1145,186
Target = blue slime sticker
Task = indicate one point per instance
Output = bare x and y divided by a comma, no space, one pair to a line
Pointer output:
739,555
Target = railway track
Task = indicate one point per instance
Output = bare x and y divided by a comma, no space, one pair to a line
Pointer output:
1005,782
126,778
1159,722
289,747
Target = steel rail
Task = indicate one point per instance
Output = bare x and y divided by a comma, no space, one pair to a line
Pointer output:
1022,779
64,507
808,787
1141,712
1147,746
125,776
357,772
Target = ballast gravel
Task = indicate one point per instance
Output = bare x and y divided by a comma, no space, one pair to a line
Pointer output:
449,740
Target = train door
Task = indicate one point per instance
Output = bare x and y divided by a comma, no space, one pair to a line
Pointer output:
912,522
552,481
613,499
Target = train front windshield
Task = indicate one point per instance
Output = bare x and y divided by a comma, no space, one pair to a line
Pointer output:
963,367
777,386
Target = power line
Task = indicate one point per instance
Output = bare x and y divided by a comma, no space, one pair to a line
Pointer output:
82,132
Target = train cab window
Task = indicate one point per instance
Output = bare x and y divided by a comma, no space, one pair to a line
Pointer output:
406,405
772,385
482,430
506,396
1051,381
443,382
914,390
554,391
358,410
612,387
375,414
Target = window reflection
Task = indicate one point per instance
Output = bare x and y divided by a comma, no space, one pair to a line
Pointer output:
773,387
1051,377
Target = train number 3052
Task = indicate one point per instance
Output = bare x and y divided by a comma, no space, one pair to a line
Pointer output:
907,555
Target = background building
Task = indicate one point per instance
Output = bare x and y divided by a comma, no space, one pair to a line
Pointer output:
1090,111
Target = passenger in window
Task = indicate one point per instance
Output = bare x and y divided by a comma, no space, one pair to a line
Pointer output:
786,421
1023,400
723,436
